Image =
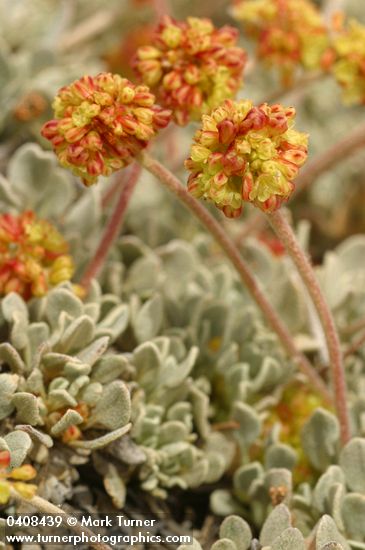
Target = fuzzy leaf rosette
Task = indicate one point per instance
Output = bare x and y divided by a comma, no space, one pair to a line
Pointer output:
170,417
191,66
244,154
58,378
101,124
277,533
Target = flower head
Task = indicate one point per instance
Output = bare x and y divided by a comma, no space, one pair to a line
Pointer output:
297,403
290,33
191,66
102,123
30,106
246,154
349,68
33,255
14,479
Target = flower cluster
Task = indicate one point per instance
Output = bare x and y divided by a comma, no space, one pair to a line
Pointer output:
245,153
15,479
31,106
289,33
33,256
296,405
102,123
191,66
349,68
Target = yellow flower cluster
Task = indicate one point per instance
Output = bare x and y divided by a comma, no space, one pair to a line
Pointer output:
245,153
33,256
296,405
349,67
289,33
102,123
15,479
192,66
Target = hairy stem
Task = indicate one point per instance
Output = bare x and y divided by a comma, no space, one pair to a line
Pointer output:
116,185
45,507
336,153
255,222
233,253
354,327
88,28
161,8
288,238
355,345
298,85
113,227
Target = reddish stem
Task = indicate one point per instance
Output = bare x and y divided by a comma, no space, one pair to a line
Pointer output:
298,86
354,327
289,240
224,426
341,150
113,227
161,8
115,186
172,147
255,222
355,345
247,277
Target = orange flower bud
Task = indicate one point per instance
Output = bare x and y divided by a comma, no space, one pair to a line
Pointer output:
4,460
71,434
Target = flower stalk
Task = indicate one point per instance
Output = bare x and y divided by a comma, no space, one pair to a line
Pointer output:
113,189
233,253
161,8
114,225
355,346
348,145
287,236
